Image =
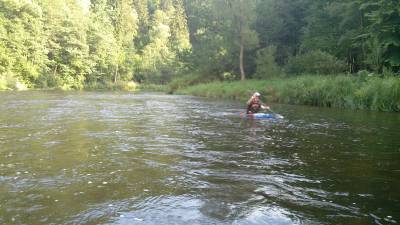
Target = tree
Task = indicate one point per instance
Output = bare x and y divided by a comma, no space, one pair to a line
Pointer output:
157,54
126,21
210,35
265,62
141,7
245,37
179,38
22,38
281,23
384,29
332,27
68,53
102,43
221,31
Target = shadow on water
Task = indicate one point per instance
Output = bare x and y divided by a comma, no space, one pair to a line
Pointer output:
121,158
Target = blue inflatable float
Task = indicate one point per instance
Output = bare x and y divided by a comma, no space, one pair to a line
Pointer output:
260,116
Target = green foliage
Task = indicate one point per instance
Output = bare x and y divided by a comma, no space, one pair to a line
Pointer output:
185,81
69,45
112,86
179,40
332,27
153,87
157,56
384,29
240,17
227,76
315,62
280,23
266,65
59,43
68,51
167,40
364,33
344,91
211,52
21,40
101,39
7,81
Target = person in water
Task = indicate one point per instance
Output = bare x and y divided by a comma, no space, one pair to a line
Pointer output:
254,104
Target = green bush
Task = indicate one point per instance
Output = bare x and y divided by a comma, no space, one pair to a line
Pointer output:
266,65
112,86
48,81
185,81
153,87
341,91
8,81
315,62
3,83
228,76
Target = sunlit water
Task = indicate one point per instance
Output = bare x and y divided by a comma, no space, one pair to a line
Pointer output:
121,158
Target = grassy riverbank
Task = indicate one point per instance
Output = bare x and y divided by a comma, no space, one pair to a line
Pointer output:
15,85
343,91
127,86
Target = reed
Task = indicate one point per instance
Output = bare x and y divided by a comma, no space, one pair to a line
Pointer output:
341,91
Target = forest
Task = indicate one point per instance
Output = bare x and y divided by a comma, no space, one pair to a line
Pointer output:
77,44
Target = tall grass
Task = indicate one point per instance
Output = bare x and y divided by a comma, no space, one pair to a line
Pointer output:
125,86
112,86
185,81
343,91
8,81
154,87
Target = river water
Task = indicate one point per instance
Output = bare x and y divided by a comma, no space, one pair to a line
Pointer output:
124,158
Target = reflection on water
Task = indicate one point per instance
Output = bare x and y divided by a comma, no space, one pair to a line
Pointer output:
120,158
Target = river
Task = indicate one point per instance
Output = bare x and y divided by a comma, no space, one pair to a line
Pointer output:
125,158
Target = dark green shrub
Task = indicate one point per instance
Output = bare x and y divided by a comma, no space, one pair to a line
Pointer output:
266,65
315,62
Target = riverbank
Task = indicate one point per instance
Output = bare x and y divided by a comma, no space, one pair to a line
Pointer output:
126,86
342,91
109,86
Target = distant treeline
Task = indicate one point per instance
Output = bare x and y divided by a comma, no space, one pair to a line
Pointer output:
73,43
76,43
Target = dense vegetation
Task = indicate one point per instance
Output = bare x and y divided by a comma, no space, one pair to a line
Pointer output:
94,44
289,37
341,91
72,44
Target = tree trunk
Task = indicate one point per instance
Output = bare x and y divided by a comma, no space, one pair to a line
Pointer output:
55,70
242,74
116,74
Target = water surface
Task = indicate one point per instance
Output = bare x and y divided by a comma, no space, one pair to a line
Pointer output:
122,158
